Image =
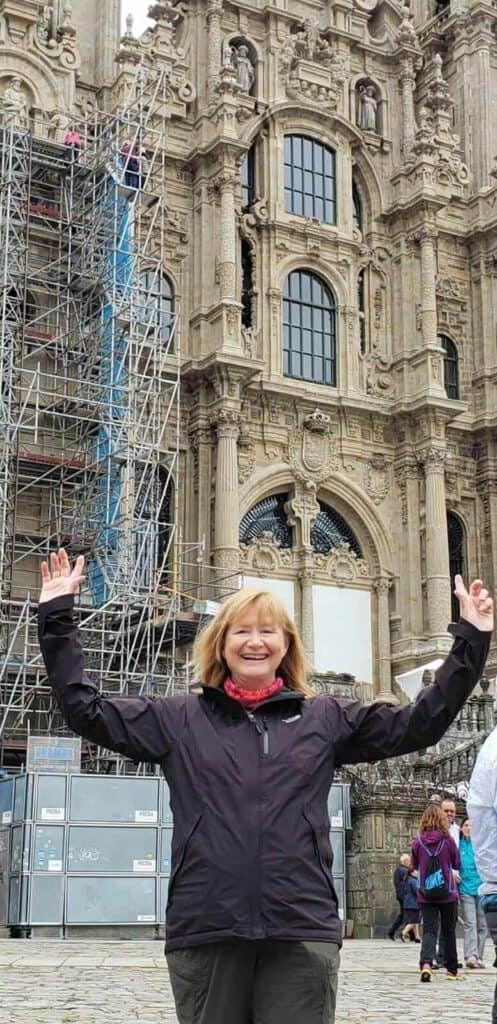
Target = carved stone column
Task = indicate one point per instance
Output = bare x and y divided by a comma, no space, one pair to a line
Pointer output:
407,80
226,509
307,612
382,586
301,511
426,238
407,473
437,544
214,17
227,182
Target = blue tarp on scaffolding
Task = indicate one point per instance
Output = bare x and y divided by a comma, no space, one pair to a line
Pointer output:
109,447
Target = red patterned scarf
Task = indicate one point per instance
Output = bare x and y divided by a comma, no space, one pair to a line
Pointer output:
251,698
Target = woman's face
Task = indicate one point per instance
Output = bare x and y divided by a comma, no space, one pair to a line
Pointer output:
254,647
466,829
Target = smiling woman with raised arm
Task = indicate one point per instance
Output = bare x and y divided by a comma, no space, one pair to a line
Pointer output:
252,926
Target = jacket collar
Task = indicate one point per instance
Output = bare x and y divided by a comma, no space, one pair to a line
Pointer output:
218,698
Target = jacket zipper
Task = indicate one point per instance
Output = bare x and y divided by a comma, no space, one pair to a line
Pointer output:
262,730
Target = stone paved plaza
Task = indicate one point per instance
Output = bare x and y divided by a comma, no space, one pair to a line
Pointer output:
51,982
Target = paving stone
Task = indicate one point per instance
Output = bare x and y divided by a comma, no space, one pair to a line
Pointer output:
57,982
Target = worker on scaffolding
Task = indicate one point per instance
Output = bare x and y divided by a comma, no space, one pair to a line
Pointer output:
252,925
130,162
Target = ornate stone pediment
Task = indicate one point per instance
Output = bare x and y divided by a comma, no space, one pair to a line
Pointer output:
342,564
264,553
312,451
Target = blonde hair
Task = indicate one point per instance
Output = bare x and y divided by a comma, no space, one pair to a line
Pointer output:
209,664
434,819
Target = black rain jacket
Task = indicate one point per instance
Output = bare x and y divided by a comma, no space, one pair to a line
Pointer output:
251,853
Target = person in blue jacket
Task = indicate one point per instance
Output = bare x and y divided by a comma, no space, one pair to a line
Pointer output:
470,908
412,913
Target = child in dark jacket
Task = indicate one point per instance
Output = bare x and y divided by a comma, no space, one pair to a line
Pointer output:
434,840
411,906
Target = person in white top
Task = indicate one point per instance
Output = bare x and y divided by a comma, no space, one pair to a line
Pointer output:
482,809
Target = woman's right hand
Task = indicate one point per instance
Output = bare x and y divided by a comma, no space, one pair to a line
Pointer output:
60,579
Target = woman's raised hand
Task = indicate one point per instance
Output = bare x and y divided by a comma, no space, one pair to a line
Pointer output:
475,604
60,579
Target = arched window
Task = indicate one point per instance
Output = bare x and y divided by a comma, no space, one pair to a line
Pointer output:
330,530
309,329
309,179
247,175
356,207
268,516
156,304
451,367
457,556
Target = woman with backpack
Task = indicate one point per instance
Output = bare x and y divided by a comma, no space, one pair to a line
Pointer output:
435,857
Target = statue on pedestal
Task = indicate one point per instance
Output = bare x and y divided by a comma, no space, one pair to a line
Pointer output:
368,109
14,106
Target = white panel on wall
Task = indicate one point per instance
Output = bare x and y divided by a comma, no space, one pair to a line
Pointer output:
280,588
342,631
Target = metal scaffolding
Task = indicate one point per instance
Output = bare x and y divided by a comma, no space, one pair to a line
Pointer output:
89,393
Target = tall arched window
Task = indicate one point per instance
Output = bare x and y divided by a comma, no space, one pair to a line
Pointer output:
451,366
356,207
156,304
329,530
310,179
457,556
268,516
309,329
247,177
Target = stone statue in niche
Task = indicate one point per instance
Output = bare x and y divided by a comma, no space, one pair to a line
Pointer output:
14,106
368,109
245,74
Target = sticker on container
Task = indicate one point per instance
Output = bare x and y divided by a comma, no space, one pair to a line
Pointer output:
149,816
52,813
55,865
6,817
337,820
145,917
144,865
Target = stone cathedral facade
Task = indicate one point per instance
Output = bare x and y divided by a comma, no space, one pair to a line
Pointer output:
330,192
331,250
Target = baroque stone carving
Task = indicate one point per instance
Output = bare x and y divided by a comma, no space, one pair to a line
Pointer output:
311,451
379,379
238,59
14,106
311,66
376,478
341,564
265,554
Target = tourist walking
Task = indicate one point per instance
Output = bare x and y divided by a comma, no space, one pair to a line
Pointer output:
435,857
449,809
482,809
471,910
412,914
399,877
252,924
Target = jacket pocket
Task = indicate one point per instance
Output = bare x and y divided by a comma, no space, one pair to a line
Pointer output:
180,856
322,850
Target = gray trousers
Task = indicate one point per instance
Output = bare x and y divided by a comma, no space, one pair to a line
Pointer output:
491,917
475,928
266,981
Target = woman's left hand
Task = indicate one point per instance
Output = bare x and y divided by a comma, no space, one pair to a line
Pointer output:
475,605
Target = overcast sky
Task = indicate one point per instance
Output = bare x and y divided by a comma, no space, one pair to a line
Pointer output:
138,8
